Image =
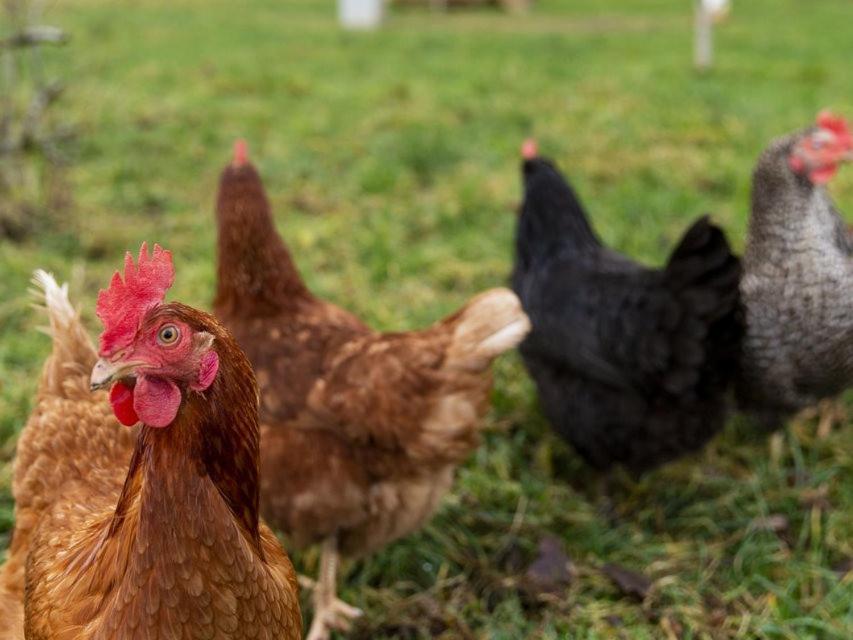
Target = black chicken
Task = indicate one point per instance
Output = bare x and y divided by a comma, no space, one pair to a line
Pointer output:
633,365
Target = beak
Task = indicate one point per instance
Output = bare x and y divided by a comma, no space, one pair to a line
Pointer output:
105,372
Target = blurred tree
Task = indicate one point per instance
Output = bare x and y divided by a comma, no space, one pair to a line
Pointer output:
31,140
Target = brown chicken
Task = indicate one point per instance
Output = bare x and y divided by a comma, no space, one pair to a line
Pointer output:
70,438
151,533
361,431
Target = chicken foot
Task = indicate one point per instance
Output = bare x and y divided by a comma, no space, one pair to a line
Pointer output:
330,613
777,447
831,412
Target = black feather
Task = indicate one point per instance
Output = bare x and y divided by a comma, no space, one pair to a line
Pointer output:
633,365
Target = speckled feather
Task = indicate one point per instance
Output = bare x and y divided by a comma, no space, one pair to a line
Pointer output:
798,273
361,431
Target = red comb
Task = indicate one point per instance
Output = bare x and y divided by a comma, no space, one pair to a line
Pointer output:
838,125
529,149
241,153
122,306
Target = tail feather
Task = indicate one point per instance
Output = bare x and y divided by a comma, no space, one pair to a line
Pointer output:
704,275
704,272
66,371
488,325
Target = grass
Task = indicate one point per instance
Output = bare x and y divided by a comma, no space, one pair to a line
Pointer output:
392,162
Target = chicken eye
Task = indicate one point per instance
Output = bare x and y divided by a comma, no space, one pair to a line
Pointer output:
168,335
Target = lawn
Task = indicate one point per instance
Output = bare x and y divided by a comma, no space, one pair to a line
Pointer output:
391,159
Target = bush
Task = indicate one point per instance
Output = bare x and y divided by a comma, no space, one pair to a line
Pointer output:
31,139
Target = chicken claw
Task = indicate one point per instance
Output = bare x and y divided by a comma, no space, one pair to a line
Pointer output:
336,615
330,613
306,583
831,412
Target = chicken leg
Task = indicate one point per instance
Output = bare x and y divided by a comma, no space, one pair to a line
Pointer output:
777,447
830,412
330,613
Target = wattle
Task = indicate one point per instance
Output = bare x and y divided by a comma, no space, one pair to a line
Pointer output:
121,399
823,174
156,401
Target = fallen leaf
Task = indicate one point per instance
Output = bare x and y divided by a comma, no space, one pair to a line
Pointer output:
552,570
630,583
843,568
614,621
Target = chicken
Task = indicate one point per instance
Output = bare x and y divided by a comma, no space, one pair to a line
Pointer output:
361,431
150,533
633,365
71,438
798,272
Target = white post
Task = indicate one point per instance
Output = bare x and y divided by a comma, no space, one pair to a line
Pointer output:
703,44
360,14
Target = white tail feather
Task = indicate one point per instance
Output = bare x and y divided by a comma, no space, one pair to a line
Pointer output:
56,299
490,324
66,371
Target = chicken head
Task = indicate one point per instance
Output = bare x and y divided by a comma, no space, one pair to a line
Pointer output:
820,152
148,352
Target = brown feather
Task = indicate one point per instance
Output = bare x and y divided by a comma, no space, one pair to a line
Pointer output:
151,533
361,430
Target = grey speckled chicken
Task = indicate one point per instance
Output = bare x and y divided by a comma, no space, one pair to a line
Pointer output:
798,273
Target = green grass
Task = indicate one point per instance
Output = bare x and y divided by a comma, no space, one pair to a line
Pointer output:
392,162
